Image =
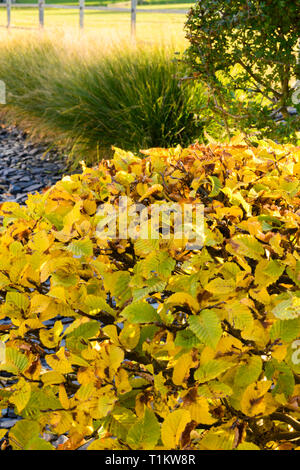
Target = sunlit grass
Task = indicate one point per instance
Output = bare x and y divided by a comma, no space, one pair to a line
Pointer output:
95,88
89,92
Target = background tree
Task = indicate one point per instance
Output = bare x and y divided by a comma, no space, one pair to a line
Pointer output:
246,53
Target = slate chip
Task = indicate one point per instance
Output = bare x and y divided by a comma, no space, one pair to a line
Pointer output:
25,167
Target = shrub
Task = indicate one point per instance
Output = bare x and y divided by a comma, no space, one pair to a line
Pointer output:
130,97
246,53
141,343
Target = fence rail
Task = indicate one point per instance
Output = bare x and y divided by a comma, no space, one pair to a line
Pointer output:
42,5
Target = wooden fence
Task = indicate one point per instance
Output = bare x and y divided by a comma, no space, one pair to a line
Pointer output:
82,8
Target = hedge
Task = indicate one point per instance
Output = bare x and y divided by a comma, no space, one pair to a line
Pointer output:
142,343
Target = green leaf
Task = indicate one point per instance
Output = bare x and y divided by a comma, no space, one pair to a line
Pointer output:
22,432
96,304
119,422
118,284
157,263
42,399
85,330
286,330
218,439
145,432
216,186
14,361
239,316
249,372
282,375
151,285
214,389
19,300
212,369
206,327
21,395
81,247
37,443
140,312
186,339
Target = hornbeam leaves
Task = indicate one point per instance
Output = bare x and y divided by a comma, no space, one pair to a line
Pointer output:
246,245
216,186
255,400
221,287
22,433
288,308
173,427
15,361
145,344
145,432
21,395
140,312
206,327
81,248
212,369
249,372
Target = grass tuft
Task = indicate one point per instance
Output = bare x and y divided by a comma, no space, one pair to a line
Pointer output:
127,97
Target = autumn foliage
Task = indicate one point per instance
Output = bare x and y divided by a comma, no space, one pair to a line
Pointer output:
140,344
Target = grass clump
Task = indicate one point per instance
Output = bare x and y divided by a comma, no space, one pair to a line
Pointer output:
129,97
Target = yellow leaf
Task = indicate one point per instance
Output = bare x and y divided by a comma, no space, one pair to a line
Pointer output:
21,395
279,352
122,381
219,439
112,333
257,333
156,188
130,336
102,405
51,338
182,298
199,411
221,286
173,427
63,397
52,377
41,241
182,369
253,402
59,362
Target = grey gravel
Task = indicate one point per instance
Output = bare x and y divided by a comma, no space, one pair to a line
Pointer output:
26,168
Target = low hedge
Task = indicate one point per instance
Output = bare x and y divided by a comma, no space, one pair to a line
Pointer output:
144,344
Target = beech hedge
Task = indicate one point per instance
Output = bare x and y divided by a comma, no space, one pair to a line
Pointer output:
142,343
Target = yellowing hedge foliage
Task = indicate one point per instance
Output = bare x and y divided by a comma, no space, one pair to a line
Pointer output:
139,344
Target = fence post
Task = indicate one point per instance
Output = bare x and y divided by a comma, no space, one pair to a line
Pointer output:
8,9
41,13
81,14
133,19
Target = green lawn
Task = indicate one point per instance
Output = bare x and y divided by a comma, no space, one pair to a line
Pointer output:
153,27
168,3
